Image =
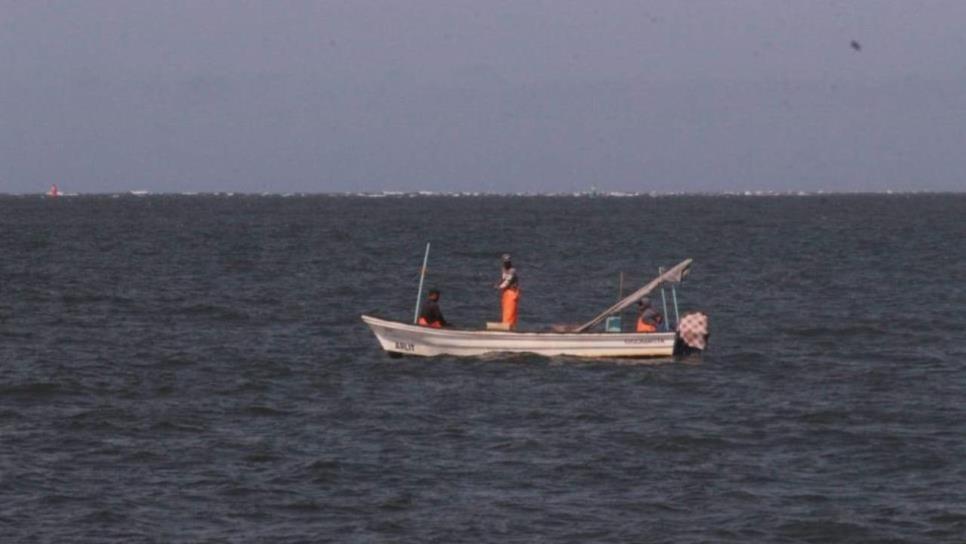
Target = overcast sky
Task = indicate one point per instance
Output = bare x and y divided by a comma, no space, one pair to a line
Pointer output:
102,96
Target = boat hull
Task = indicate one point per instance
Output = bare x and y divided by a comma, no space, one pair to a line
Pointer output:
406,339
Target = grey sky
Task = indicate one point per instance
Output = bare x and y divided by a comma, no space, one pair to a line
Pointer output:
495,96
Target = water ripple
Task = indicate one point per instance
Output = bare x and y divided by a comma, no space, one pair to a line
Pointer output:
193,369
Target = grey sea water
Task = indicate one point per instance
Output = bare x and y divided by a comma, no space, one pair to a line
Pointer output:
193,369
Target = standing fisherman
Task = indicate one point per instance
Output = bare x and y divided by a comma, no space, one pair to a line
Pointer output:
510,287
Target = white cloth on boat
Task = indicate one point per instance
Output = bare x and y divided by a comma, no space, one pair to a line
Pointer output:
693,329
677,275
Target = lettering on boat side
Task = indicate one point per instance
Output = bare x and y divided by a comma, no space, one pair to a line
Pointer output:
642,340
405,346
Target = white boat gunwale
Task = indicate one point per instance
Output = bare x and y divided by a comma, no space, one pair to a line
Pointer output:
447,331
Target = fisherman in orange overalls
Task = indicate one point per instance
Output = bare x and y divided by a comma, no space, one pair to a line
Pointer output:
648,319
510,297
431,315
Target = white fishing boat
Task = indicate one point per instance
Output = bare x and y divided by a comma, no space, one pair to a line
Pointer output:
690,334
406,339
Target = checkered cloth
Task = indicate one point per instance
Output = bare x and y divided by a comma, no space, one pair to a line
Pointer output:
693,329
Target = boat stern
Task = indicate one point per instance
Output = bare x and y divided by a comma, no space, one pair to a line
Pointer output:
692,334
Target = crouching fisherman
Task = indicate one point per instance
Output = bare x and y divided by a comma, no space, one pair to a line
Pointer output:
648,319
431,315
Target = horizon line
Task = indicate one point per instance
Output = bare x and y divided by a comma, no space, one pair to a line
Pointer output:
465,193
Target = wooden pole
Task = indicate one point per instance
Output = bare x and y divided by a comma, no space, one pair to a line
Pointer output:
664,301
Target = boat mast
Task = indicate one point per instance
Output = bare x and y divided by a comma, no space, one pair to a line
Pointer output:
422,276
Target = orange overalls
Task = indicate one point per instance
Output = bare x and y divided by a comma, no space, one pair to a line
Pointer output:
642,326
435,324
509,302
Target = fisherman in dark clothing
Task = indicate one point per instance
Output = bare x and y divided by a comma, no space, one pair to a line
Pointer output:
648,319
431,315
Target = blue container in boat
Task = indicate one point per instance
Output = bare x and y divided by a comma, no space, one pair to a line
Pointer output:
613,324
